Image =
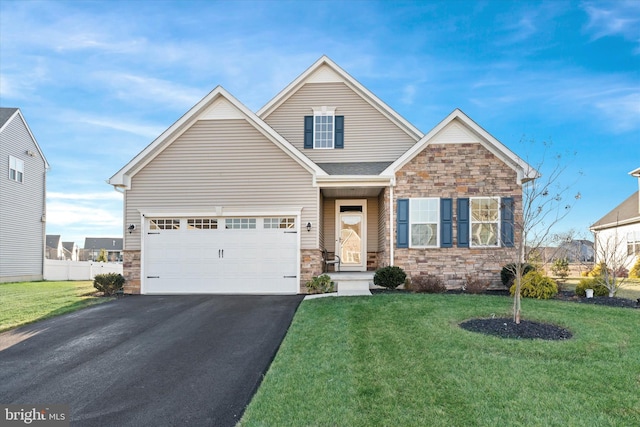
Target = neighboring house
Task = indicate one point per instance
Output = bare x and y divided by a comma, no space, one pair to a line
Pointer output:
113,246
231,201
23,170
55,249
71,251
576,251
617,233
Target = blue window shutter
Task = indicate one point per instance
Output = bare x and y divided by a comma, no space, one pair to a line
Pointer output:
339,132
463,223
446,223
507,222
308,131
402,241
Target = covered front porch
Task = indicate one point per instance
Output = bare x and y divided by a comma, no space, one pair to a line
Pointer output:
354,222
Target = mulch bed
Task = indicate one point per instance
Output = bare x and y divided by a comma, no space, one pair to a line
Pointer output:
505,327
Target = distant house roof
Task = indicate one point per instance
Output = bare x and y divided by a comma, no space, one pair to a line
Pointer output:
357,168
68,245
5,114
53,241
108,243
626,212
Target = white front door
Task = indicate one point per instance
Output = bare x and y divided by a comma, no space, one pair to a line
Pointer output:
351,234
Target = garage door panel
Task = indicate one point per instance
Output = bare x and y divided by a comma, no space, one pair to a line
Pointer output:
186,259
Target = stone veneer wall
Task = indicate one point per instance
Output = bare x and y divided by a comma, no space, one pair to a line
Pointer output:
131,270
457,171
310,265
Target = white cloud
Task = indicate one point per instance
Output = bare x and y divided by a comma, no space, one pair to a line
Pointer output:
617,18
64,214
408,94
111,195
148,131
142,89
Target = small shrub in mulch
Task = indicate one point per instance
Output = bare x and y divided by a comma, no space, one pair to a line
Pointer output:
427,284
389,277
476,286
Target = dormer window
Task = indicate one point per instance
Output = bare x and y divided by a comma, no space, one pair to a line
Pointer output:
324,130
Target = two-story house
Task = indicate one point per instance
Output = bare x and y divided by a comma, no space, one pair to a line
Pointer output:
617,234
23,170
231,201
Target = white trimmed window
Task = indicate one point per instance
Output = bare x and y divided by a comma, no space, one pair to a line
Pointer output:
280,223
323,127
16,169
164,224
424,217
485,221
240,223
633,243
202,223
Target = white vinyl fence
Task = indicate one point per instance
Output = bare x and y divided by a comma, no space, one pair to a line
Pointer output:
78,270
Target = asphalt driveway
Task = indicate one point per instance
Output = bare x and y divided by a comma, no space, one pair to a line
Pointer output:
148,360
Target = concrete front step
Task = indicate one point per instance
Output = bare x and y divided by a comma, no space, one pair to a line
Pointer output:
353,283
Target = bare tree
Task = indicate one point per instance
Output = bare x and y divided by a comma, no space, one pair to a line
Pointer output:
545,202
611,254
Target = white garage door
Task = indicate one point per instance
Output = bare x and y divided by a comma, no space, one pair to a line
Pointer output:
220,255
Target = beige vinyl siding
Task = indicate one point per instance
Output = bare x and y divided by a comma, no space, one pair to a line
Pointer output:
22,206
222,163
368,135
329,222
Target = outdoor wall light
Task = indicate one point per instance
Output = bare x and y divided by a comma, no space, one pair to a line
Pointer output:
308,226
131,228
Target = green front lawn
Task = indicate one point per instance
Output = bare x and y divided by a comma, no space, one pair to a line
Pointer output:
27,302
402,360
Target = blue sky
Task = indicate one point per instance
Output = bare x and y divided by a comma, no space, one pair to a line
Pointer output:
97,81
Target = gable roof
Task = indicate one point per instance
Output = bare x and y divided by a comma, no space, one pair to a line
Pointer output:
53,241
525,171
7,114
218,104
625,213
325,70
69,246
107,243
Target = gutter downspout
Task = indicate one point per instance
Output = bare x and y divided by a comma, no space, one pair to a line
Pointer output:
391,228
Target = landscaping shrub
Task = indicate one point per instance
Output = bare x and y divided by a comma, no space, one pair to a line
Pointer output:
535,285
595,283
389,277
634,273
560,268
508,273
597,270
108,283
476,286
427,284
320,284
